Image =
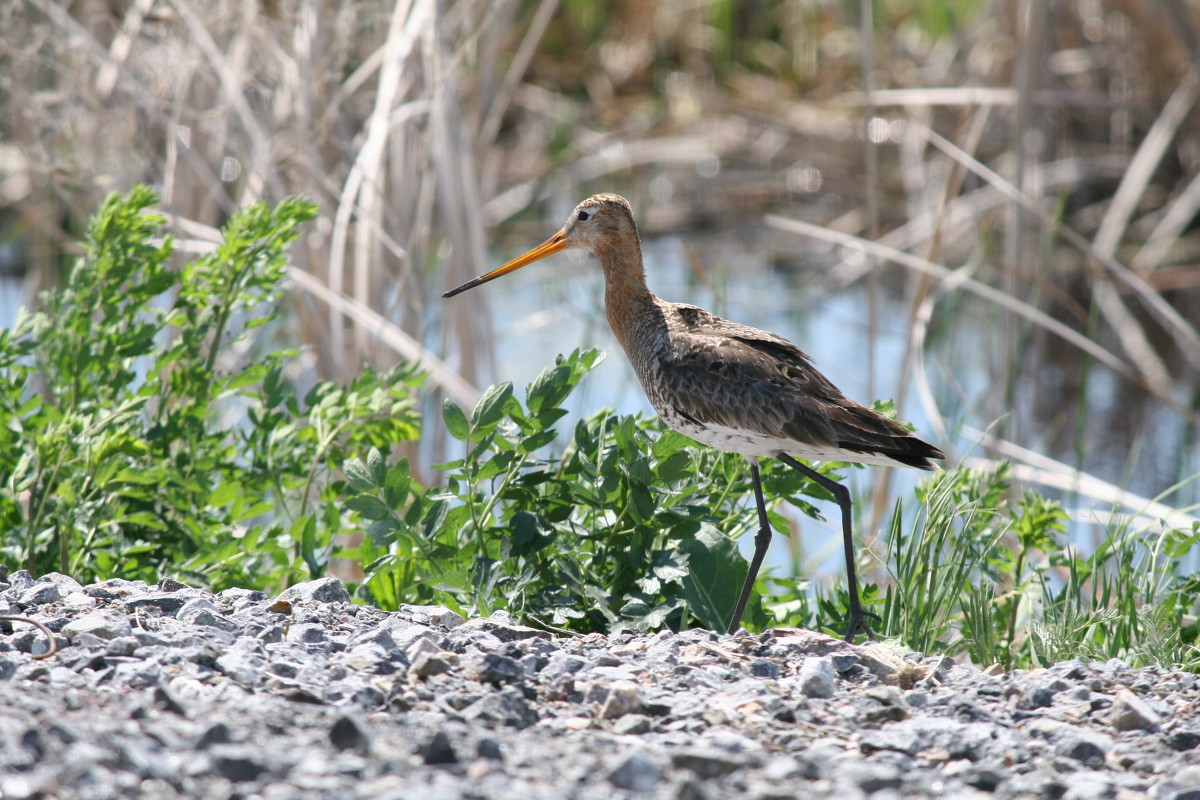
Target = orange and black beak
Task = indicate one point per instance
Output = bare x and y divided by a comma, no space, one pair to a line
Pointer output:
555,244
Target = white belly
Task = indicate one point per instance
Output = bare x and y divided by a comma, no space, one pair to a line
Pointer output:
753,444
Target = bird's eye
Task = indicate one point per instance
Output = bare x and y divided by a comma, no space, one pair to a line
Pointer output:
583,215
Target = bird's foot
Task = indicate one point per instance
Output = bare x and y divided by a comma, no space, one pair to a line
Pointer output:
858,622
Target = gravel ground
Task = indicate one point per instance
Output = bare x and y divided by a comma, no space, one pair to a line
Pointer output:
167,691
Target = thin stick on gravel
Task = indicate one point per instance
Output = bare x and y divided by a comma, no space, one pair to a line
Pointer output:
48,633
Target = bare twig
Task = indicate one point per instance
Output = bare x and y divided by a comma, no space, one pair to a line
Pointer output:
1141,169
953,279
53,646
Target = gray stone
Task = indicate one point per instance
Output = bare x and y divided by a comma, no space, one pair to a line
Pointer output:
505,707
243,664
490,748
816,677
706,762
1130,713
502,626
561,663
348,733
65,583
237,762
20,580
635,773
764,668
169,584
322,590
216,733
1041,693
122,645
197,700
632,725
308,632
1086,747
970,740
845,662
439,750
103,623
427,664
493,668
203,612
1183,784
168,602
1184,738
432,615
867,776
1090,785
40,594
986,776
623,697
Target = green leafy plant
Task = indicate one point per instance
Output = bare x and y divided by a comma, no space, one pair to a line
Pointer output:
980,574
137,441
632,525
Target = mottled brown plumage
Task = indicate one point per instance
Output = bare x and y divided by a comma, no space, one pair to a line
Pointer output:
727,385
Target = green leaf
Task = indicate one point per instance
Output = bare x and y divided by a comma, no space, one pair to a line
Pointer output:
435,516
641,502
676,467
715,573
377,466
382,531
549,388
225,493
456,421
397,485
359,476
490,408
537,441
368,506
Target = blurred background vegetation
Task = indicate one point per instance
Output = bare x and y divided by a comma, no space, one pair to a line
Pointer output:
1009,186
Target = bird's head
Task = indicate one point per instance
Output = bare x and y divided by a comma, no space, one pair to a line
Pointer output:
599,224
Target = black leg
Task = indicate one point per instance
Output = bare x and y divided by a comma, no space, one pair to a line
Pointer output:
762,541
858,617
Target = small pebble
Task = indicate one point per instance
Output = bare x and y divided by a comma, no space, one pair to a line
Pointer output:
635,773
816,677
1131,713
623,698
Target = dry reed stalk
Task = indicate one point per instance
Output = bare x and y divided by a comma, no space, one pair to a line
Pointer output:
266,105
1185,335
1170,228
951,280
1145,161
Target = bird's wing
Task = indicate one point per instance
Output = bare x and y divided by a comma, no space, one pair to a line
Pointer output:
721,372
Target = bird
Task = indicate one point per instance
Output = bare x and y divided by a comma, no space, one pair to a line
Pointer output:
729,386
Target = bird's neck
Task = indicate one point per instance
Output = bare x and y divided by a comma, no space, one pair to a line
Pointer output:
628,302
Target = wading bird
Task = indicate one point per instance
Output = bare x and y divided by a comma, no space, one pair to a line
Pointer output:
726,385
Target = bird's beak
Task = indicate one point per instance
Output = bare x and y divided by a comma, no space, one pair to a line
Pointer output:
555,244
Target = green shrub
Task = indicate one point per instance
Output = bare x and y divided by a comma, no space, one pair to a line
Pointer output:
135,441
631,525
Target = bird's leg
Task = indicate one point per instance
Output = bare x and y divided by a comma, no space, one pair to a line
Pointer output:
858,617
762,541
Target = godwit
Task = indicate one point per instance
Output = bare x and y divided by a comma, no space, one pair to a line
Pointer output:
726,385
